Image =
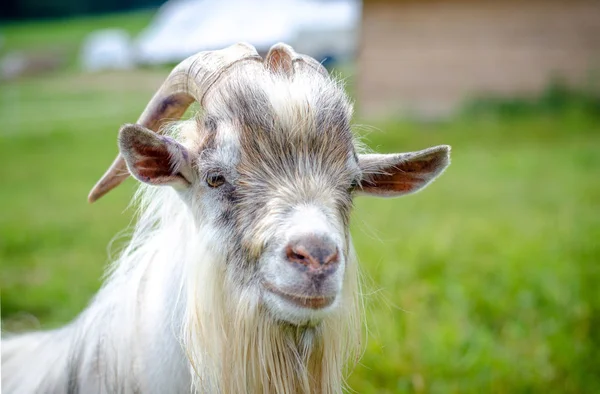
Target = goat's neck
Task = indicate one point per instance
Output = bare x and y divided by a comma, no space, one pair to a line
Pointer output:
130,332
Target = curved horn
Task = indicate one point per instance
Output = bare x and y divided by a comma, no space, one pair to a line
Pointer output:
283,58
188,82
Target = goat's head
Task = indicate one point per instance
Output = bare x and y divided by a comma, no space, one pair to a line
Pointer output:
270,161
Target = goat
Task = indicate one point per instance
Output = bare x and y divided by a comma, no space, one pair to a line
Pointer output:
240,277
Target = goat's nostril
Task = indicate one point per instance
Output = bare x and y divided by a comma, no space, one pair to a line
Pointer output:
296,254
313,252
332,258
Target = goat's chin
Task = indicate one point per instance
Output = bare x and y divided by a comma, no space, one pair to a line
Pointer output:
297,310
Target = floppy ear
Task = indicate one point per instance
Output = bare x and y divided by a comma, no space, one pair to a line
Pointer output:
153,158
394,175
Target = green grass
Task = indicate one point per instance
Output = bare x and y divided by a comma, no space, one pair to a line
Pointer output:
486,282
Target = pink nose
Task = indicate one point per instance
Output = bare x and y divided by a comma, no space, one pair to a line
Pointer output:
312,252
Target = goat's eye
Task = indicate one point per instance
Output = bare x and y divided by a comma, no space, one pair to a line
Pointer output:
353,185
215,180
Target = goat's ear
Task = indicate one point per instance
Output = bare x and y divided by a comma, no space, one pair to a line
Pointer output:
393,175
153,158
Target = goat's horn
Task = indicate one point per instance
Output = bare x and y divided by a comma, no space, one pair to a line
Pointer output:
283,58
188,82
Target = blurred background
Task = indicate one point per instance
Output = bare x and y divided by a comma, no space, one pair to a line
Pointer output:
488,281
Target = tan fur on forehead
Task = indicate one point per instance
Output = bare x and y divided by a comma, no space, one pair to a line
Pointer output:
299,121
258,97
272,111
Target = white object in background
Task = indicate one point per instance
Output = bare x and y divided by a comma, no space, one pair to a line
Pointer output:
184,27
107,49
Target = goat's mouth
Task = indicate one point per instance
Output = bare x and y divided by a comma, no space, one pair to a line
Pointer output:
302,301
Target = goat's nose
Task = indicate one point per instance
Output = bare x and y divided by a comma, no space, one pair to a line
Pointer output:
312,252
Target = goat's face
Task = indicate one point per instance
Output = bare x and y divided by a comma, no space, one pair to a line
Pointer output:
294,173
271,165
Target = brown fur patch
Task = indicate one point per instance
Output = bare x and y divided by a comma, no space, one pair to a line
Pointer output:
424,165
402,173
148,155
153,161
396,182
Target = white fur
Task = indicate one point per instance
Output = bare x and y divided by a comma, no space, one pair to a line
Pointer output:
127,340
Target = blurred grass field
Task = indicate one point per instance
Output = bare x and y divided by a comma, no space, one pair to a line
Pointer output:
67,35
486,282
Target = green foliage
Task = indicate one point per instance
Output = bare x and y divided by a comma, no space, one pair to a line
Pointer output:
556,97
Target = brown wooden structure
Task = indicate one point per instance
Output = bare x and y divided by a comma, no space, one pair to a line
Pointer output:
425,57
